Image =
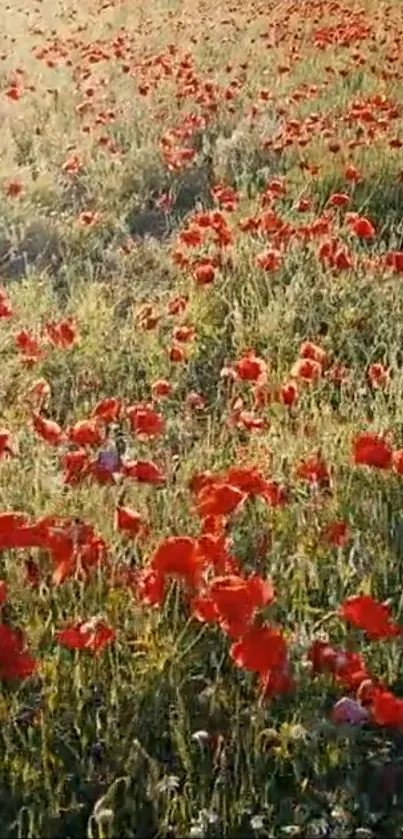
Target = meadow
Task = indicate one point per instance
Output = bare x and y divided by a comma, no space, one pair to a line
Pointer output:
201,433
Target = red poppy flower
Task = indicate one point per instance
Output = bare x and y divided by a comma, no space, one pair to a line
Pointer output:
49,430
397,461
314,471
303,205
6,309
15,661
236,600
387,709
3,592
93,634
86,433
247,478
363,228
144,420
161,388
306,369
201,480
337,533
212,548
88,218
394,260
13,93
261,649
144,471
368,614
107,410
176,354
351,173
5,442
11,524
251,368
183,334
348,668
195,401
150,587
13,189
75,465
339,199
219,500
288,394
29,347
62,335
367,690
177,556
277,682
378,376
73,165
371,449
130,522
204,273
204,609
214,525
269,260
177,305
310,350
74,547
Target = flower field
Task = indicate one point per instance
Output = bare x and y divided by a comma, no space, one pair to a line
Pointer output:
201,431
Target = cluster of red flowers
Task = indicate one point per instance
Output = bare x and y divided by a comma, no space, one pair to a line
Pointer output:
218,591
338,239
370,699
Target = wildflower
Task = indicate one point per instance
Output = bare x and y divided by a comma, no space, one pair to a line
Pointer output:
49,430
143,471
336,533
107,410
15,661
145,420
86,433
251,368
349,711
377,375
219,500
387,709
129,522
363,228
370,449
93,635
177,556
306,369
371,616
261,649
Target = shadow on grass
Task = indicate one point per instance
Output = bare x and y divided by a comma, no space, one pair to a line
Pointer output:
37,247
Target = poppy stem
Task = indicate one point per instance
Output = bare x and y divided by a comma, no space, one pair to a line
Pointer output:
190,646
326,619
